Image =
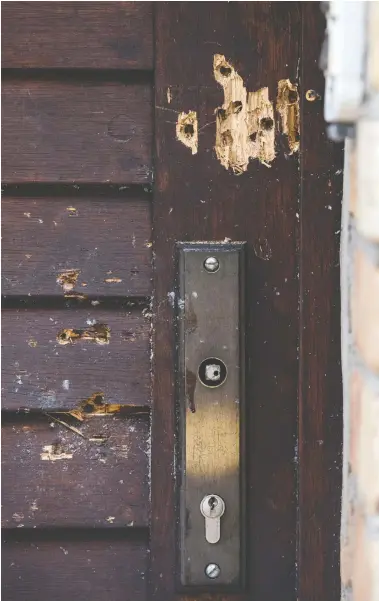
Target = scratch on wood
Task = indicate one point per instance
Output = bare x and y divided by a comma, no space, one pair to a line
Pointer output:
187,130
245,127
287,105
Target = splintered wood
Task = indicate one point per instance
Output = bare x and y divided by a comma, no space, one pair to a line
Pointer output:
245,122
245,126
186,130
287,105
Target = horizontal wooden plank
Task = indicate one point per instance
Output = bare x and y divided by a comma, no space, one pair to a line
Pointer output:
40,372
75,132
95,476
105,241
96,570
107,35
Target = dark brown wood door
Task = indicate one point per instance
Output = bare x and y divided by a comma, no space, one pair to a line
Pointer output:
123,135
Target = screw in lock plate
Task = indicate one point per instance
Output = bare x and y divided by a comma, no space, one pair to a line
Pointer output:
211,264
212,570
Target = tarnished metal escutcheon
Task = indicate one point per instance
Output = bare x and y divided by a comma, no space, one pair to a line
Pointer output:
211,330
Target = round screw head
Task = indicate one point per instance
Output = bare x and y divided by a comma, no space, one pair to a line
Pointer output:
212,570
211,264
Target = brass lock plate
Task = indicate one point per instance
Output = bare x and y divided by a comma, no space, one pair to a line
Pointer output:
211,331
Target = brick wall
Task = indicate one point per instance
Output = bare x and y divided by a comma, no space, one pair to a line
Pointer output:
360,340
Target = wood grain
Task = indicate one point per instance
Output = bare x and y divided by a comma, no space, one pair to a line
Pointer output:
320,389
53,476
197,199
107,35
43,237
100,570
40,373
64,131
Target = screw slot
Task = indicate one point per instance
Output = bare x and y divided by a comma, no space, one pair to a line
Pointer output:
211,264
212,570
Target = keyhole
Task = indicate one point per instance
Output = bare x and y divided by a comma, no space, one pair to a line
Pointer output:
212,502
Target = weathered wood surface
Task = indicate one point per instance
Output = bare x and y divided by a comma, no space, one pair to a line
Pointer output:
79,570
106,35
107,241
54,476
64,131
39,372
320,388
196,198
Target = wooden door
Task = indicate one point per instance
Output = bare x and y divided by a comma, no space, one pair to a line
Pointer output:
114,149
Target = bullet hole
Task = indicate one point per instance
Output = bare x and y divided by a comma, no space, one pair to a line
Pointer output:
293,96
98,333
98,399
188,129
236,107
253,136
56,448
312,95
95,405
266,123
287,106
225,71
221,113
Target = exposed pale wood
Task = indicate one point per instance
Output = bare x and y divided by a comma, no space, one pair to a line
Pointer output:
106,35
53,476
42,237
80,570
320,389
196,198
83,132
38,372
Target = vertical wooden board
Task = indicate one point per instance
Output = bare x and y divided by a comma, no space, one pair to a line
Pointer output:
104,241
40,372
71,473
76,131
82,569
196,198
320,409
104,35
